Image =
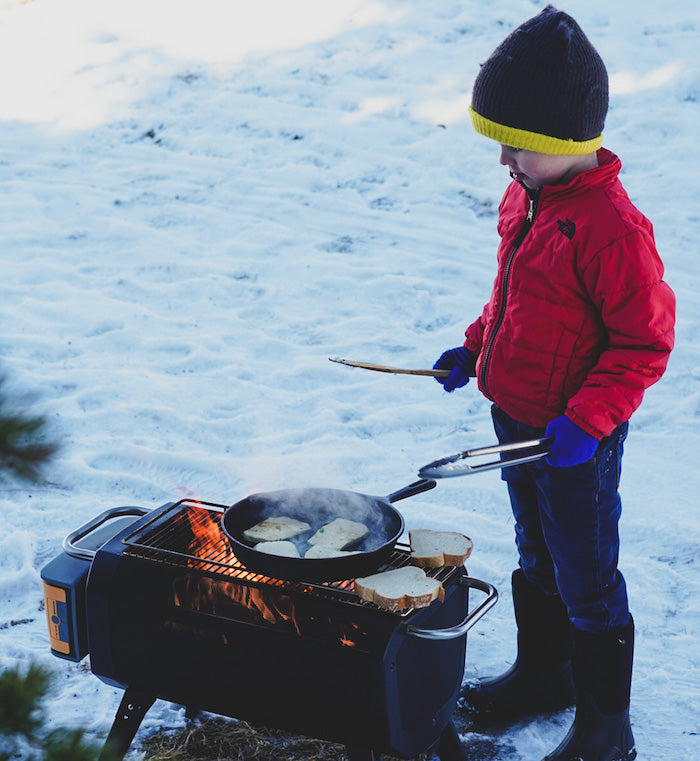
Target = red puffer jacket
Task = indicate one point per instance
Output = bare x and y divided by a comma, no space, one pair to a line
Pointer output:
580,320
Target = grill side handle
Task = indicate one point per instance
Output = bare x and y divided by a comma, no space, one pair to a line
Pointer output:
70,543
453,632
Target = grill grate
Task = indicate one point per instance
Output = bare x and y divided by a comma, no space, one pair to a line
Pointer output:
188,533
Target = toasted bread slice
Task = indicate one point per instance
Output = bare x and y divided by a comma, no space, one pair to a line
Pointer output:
284,548
432,549
406,587
339,533
275,529
324,551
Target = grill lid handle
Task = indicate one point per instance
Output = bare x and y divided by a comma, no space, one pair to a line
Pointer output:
453,632
70,543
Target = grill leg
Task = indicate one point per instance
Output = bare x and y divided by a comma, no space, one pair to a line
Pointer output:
129,716
450,747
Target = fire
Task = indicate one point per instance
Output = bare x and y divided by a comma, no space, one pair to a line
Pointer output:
207,533
207,541
209,550
350,636
222,598
235,592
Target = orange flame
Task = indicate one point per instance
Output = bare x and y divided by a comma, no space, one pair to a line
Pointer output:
221,598
207,535
262,597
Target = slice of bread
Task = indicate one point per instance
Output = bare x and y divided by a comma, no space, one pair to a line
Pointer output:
406,587
283,548
432,549
324,551
339,533
275,529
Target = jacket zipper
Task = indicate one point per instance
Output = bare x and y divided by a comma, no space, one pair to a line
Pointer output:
527,224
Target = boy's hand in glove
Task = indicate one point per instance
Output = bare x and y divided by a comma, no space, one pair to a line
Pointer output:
462,365
571,446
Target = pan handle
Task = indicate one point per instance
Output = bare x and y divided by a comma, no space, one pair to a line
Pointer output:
443,467
425,484
453,632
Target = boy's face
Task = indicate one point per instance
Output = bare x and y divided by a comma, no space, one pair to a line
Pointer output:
536,169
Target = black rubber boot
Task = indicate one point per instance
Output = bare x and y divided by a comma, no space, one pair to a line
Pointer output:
603,672
541,679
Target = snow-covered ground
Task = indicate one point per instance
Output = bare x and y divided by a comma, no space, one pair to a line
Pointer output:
202,202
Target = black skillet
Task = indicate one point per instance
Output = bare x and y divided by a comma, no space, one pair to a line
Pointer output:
319,507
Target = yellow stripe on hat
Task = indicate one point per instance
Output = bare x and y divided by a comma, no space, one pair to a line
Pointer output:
532,141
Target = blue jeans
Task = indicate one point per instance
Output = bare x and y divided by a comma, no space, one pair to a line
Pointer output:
566,527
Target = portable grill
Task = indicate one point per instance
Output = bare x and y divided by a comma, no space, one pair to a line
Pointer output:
165,610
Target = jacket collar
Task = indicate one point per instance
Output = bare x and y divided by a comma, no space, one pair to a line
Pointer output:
604,174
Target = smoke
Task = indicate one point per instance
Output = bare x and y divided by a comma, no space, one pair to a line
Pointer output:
318,507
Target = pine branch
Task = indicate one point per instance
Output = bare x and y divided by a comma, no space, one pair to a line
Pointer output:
21,721
20,698
24,450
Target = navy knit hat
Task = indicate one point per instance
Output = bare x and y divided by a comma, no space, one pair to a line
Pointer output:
544,88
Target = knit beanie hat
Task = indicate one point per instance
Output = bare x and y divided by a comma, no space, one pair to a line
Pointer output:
544,88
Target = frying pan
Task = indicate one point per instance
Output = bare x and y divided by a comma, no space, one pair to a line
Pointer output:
319,507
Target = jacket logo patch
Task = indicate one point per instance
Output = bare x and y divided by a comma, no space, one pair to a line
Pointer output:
566,227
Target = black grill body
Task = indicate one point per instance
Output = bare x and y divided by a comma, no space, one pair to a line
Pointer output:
197,629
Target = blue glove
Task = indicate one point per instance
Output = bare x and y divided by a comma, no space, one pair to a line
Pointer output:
571,446
462,365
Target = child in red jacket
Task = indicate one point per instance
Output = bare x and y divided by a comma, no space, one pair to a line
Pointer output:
579,324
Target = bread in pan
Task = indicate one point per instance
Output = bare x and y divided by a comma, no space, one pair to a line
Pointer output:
275,529
284,548
339,533
324,551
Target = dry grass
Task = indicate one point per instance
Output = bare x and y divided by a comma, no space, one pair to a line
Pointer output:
218,739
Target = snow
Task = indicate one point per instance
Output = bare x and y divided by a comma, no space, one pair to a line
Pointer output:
203,202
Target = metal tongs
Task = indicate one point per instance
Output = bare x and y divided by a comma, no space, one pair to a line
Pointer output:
444,467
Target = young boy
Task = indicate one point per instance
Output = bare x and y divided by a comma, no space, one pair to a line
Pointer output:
578,325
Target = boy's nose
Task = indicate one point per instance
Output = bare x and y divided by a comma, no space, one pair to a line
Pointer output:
506,157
